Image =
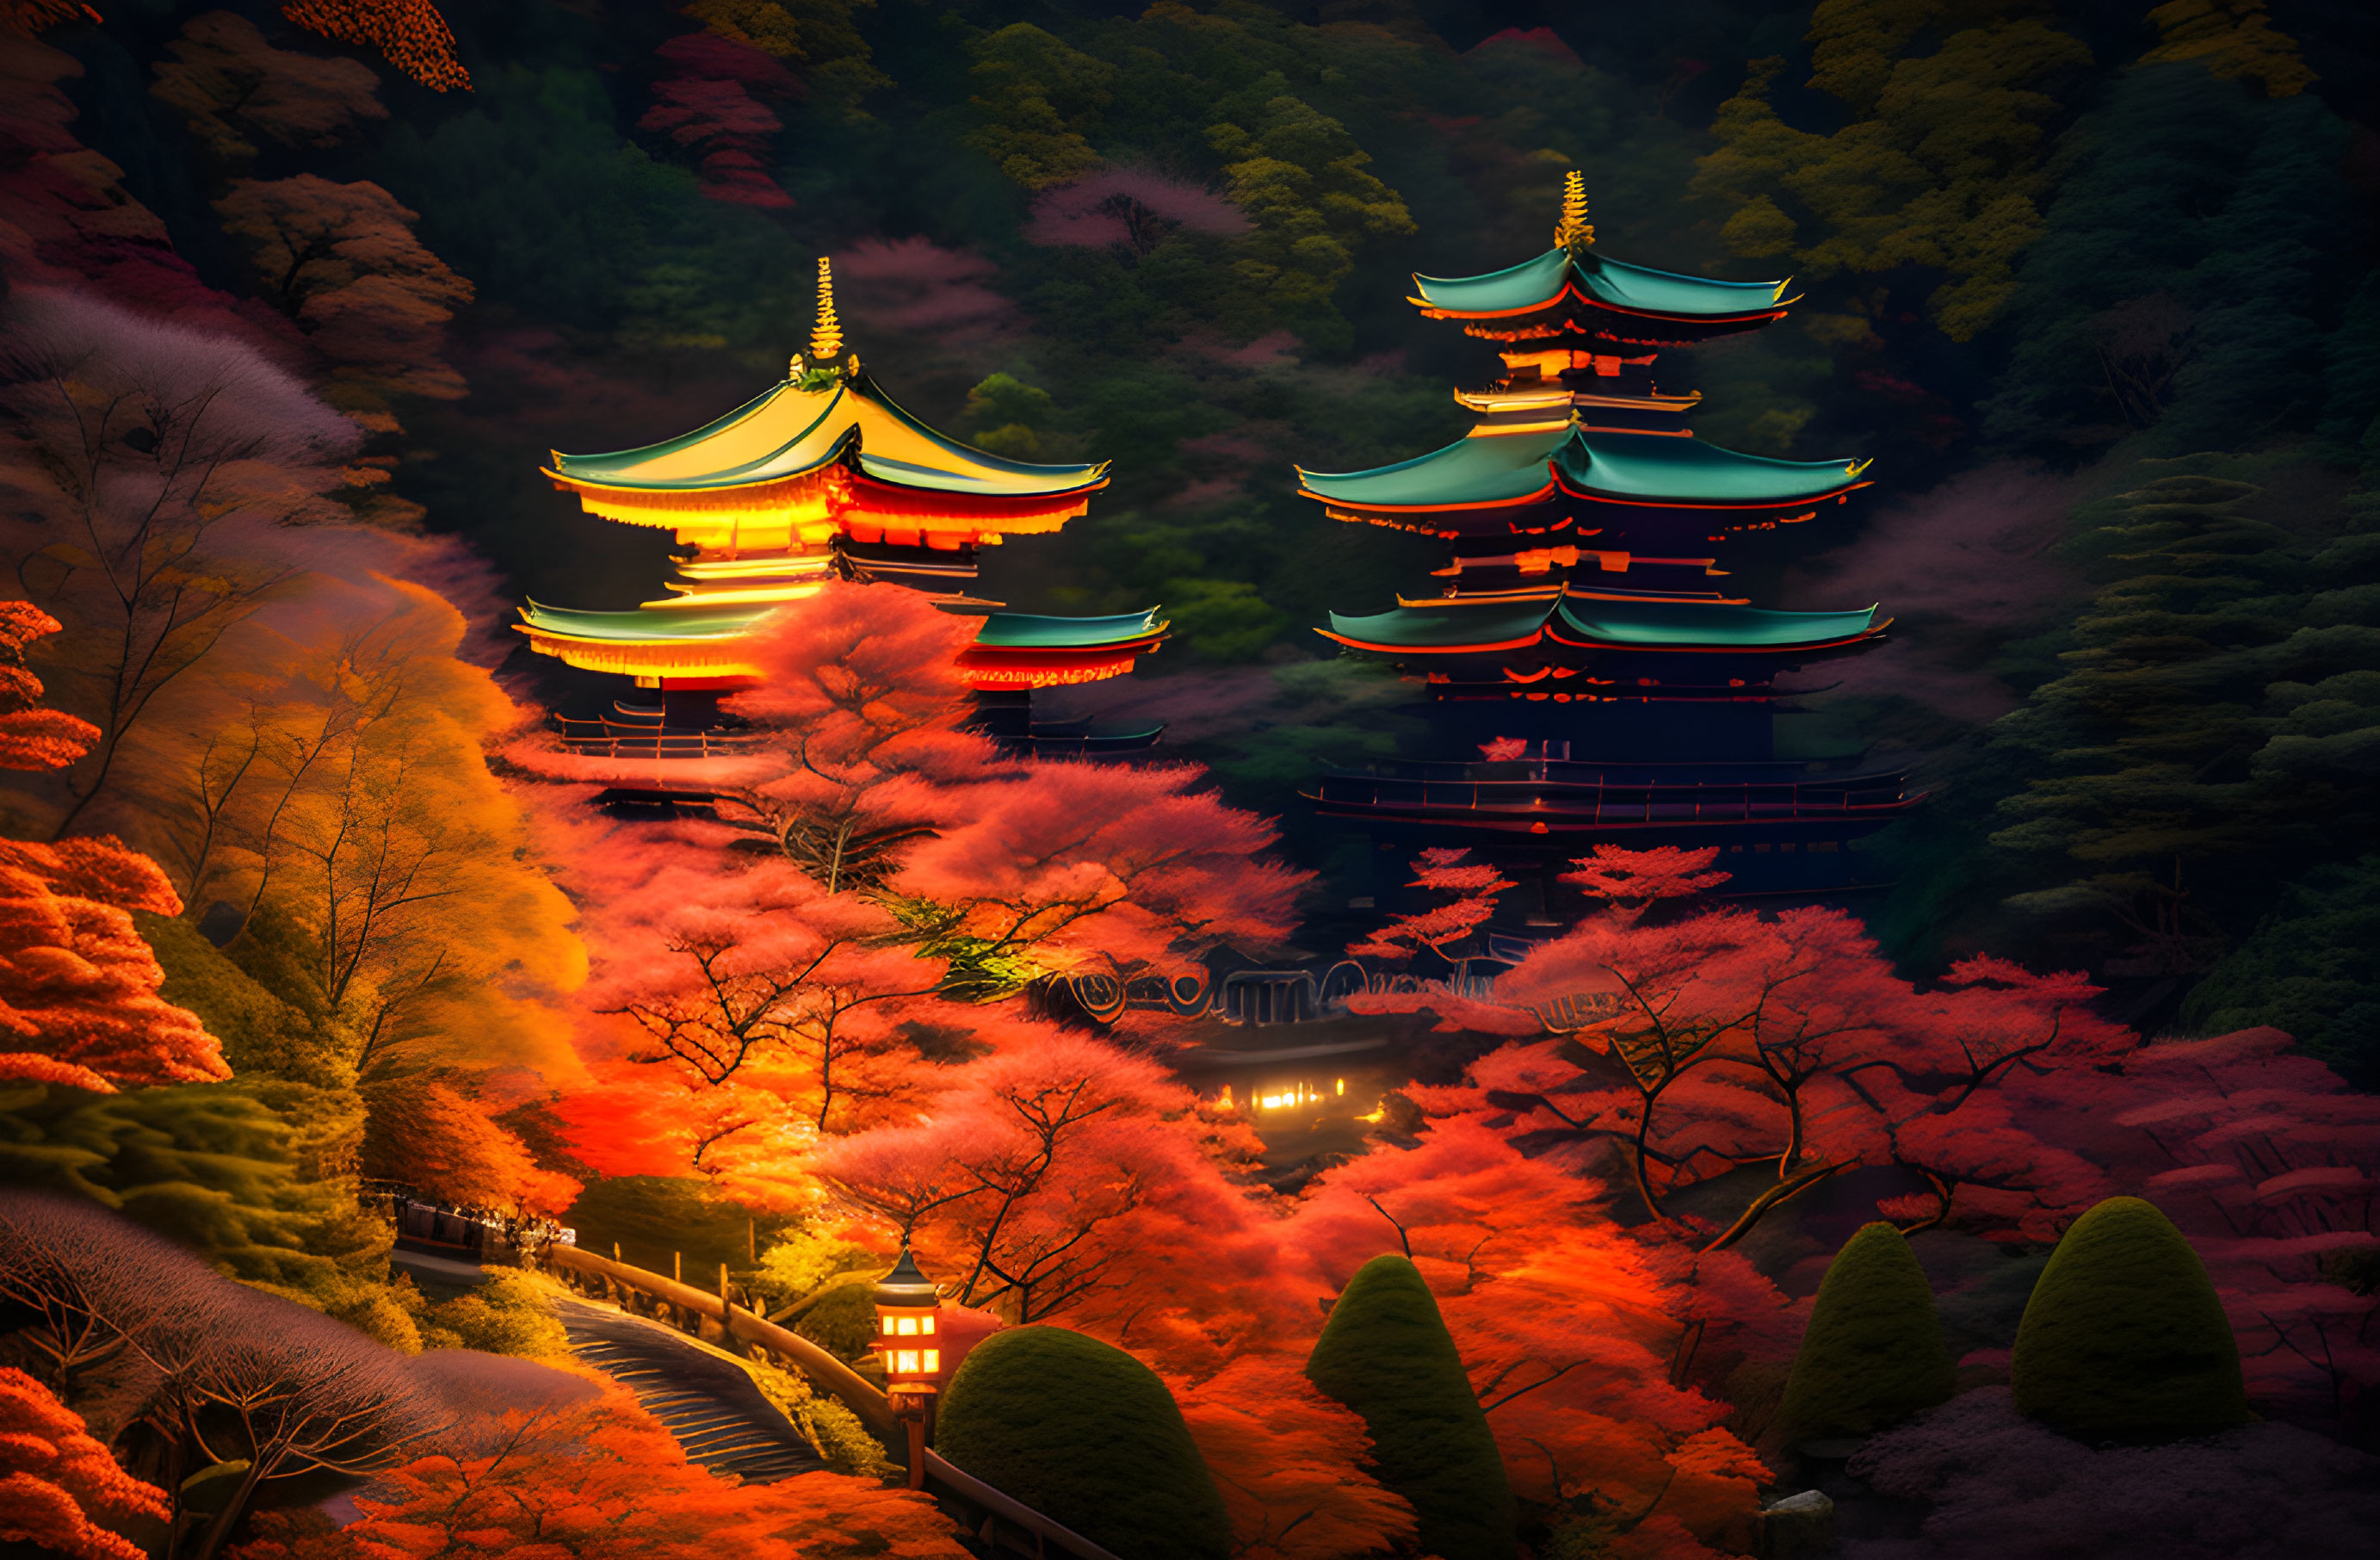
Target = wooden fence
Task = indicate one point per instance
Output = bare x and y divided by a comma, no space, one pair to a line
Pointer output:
714,1317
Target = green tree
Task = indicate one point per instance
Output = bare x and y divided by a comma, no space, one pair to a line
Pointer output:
1385,1353
2124,1337
2307,969
1939,168
1873,1352
1303,180
1088,1434
1036,102
2221,692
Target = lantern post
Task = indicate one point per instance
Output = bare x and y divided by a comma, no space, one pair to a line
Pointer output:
908,1339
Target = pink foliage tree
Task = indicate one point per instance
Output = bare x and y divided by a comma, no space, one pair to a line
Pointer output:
1131,209
716,106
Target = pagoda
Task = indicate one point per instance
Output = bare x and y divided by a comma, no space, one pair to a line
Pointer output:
824,476
1599,681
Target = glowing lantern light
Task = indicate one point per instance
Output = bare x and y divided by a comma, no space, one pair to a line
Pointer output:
908,1339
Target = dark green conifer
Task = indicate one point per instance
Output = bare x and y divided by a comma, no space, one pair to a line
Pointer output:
2124,1339
1089,1435
1386,1354
1873,1352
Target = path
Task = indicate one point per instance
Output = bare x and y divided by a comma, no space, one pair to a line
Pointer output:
713,1408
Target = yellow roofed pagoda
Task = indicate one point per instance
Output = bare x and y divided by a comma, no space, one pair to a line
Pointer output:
823,476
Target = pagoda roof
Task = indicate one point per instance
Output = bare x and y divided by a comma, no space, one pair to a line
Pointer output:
1488,469
1613,284
792,430
1010,649
1599,621
1019,630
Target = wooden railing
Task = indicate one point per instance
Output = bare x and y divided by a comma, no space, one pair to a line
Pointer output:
714,1317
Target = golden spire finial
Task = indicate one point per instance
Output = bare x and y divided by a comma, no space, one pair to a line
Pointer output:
826,334
1572,232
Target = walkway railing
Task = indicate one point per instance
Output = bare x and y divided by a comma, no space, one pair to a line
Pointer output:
717,1319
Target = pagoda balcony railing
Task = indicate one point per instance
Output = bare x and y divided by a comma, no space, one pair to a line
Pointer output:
1620,806
646,740
1534,768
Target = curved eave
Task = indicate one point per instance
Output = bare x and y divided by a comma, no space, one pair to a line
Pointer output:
1555,636
1545,281
650,625
1026,632
1571,295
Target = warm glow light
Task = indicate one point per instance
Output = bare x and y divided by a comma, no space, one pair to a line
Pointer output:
907,1326
905,1361
1343,1086
926,1325
933,1360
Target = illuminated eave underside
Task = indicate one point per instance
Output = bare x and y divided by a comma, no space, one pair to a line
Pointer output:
1038,653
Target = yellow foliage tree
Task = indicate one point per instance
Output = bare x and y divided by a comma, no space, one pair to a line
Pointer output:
338,775
1035,100
1939,170
2235,40
342,261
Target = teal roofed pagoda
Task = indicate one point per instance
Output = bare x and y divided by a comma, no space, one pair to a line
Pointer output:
1577,627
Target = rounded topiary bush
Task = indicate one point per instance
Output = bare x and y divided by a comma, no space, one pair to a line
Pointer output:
2124,1339
1387,1355
1087,1435
1873,1352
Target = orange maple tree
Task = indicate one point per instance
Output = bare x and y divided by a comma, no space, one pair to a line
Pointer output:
411,33
77,983
423,1130
1289,1462
31,737
602,1480
54,1475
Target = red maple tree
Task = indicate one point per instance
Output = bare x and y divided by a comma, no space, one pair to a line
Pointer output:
53,1477
1470,889
77,983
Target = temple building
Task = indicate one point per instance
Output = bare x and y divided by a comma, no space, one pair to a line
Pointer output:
1592,679
824,476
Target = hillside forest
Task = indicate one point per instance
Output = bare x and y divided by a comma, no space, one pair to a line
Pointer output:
2020,1206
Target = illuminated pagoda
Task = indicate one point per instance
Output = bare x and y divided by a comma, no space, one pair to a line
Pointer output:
1579,640
824,476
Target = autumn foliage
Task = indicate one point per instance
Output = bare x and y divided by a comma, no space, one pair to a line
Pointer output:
77,984
411,33
601,1479
31,737
54,1477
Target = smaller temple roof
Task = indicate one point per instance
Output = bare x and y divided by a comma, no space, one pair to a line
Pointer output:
1489,468
1614,283
1010,649
1599,621
1021,630
1648,625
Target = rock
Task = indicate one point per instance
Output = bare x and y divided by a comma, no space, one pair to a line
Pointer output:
1798,1525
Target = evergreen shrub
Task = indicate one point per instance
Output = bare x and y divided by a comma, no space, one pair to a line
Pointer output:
1873,1352
1088,1434
1386,1354
2124,1339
